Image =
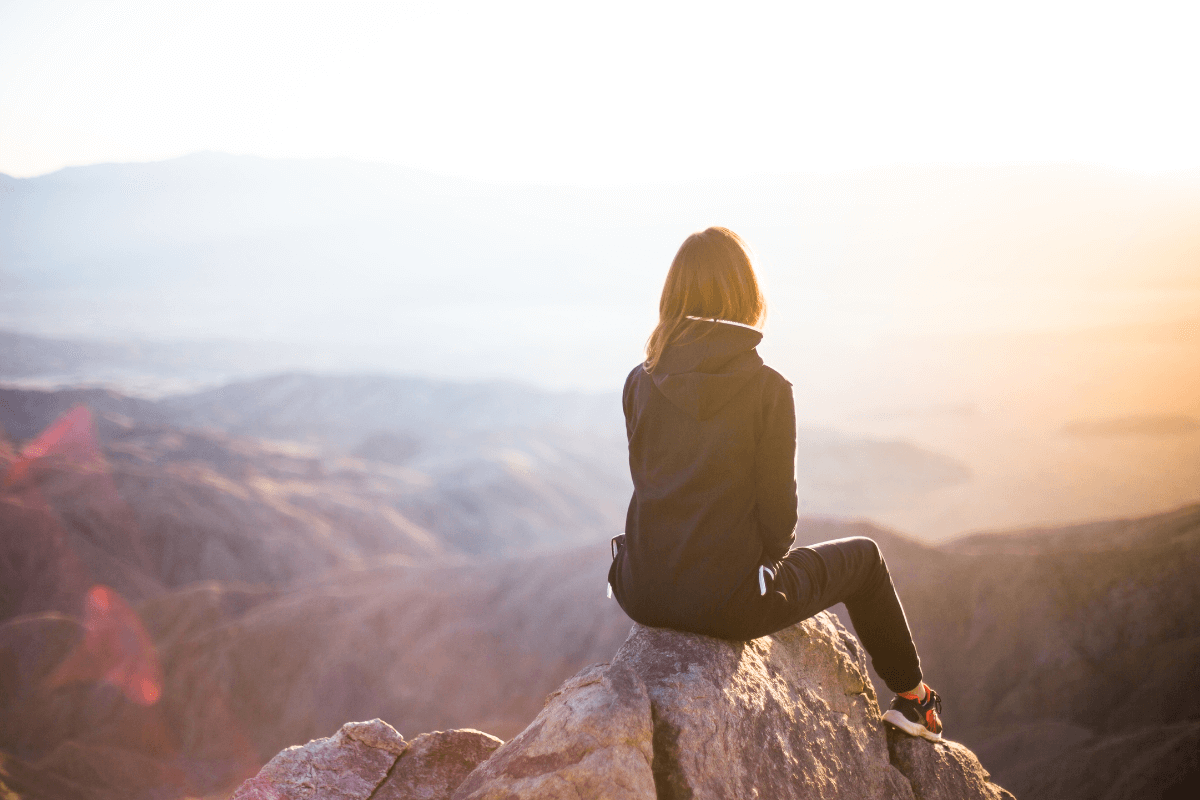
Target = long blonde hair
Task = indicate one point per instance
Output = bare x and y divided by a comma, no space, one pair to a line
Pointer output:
712,277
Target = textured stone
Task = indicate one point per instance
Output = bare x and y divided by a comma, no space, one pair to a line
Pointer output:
791,716
592,739
941,770
785,716
350,765
436,763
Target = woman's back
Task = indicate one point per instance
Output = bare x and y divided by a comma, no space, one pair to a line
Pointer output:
711,446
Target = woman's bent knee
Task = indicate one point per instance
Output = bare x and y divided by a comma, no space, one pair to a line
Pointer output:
866,548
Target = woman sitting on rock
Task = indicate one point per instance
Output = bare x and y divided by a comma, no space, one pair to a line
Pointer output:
708,544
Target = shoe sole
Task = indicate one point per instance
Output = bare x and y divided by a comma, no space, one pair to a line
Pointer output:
898,720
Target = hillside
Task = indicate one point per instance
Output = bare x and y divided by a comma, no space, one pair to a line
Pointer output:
488,468
1056,649
247,672
459,473
179,603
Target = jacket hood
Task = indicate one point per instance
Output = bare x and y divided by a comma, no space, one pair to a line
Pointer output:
707,366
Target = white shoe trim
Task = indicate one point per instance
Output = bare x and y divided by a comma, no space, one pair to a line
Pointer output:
898,720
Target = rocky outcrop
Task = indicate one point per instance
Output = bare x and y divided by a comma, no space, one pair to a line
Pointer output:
946,771
371,760
434,764
595,738
786,716
350,765
674,715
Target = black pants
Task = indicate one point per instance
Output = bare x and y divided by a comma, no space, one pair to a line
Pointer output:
814,578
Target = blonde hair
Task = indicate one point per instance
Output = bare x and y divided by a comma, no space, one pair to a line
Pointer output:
712,277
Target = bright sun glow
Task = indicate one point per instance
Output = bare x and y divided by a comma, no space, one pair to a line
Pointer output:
603,92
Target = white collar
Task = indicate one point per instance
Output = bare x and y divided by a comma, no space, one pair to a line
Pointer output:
726,321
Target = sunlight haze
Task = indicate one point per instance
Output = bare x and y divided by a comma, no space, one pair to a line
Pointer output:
976,224
601,93
327,410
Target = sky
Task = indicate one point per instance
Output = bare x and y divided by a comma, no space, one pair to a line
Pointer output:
601,93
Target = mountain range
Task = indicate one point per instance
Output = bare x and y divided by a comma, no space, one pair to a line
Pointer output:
989,315
135,658
285,444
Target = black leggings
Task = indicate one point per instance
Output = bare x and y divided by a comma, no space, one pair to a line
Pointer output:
814,578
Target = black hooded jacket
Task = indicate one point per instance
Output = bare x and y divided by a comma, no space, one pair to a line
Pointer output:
712,448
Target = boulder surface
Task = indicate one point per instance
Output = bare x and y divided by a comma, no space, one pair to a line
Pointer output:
674,715
371,761
791,715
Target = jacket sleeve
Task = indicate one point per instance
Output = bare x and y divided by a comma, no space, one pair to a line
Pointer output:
627,403
775,466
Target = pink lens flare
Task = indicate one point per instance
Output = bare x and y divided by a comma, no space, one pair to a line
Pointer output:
115,649
70,436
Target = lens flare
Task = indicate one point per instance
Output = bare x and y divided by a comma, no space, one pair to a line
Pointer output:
115,649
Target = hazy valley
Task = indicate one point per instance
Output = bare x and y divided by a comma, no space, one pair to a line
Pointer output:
276,590
288,444
1013,320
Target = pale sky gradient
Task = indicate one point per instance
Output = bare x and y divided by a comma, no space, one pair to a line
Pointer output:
603,92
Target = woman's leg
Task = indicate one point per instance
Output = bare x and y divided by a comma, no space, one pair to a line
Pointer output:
852,571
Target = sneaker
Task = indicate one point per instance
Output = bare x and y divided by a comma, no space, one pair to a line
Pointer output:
917,719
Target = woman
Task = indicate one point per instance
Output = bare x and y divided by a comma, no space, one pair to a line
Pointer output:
712,448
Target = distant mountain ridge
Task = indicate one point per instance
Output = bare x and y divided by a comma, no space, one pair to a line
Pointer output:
470,279
1058,304
461,490
343,408
555,461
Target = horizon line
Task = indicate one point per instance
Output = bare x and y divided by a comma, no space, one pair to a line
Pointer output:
709,178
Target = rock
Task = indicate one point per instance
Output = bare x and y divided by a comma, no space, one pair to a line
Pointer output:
594,738
350,765
371,761
791,715
436,763
675,715
941,771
